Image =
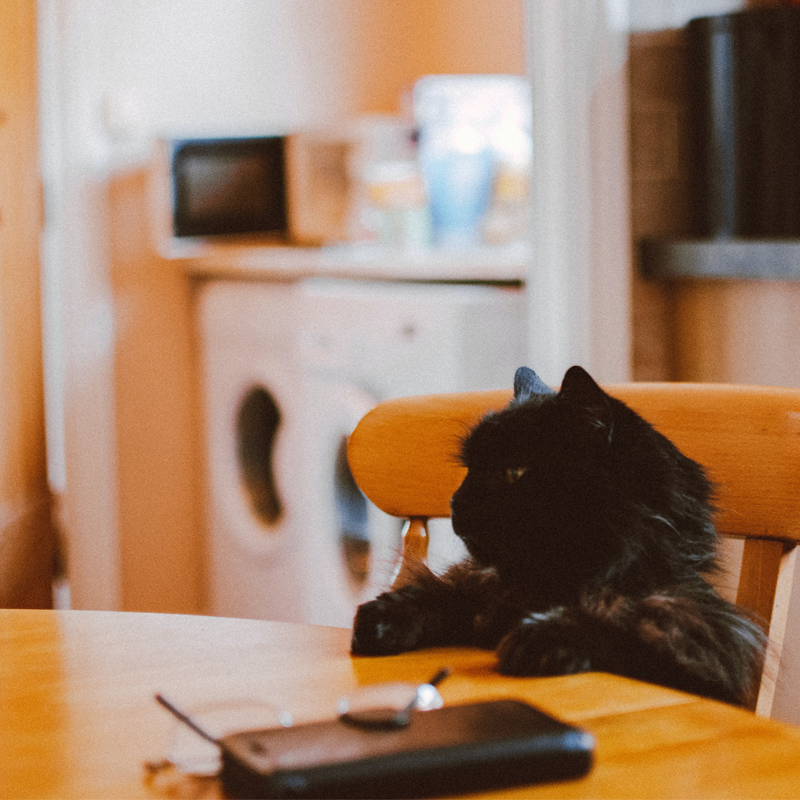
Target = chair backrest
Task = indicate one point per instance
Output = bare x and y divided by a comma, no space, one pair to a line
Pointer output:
403,455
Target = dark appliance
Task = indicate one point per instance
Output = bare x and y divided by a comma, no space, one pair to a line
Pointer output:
229,187
744,84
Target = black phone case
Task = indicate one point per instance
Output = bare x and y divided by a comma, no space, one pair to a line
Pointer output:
464,748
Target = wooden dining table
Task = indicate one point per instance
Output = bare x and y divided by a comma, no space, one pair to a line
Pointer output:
78,717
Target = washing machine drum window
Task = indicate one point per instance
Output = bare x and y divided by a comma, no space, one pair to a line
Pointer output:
353,522
257,424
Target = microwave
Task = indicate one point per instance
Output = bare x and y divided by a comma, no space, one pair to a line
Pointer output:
226,187
292,189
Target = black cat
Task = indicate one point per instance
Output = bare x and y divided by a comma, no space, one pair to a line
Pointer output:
590,538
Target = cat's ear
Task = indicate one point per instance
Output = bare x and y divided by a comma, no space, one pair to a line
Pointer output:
581,390
528,383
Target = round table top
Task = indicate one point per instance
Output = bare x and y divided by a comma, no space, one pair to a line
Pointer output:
77,706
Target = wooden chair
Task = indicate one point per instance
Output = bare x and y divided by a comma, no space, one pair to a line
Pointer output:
403,456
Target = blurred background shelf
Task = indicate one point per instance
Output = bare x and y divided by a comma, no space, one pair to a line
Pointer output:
735,259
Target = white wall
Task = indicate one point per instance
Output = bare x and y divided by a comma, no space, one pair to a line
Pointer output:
77,303
145,68
184,66
579,281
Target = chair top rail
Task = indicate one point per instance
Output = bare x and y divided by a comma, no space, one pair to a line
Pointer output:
404,453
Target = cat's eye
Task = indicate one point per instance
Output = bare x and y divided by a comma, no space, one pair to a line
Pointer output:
513,474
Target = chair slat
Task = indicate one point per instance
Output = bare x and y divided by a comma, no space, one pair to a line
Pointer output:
415,549
761,563
777,631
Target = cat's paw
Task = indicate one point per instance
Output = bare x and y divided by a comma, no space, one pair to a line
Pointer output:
553,643
390,624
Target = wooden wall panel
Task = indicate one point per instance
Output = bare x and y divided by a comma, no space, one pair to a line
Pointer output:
659,187
158,432
738,331
26,537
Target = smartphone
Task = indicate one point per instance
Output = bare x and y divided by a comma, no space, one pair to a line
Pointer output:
456,749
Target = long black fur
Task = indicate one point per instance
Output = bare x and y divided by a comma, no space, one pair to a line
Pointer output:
591,539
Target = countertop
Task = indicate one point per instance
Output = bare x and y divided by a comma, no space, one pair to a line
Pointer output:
259,260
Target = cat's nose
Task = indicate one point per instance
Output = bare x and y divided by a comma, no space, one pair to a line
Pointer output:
456,521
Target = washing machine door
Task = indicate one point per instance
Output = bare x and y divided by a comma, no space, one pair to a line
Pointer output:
351,549
253,445
254,563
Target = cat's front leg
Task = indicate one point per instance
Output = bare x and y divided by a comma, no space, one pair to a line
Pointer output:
432,611
391,623
555,642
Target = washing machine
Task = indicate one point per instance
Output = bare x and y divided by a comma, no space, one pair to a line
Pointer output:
288,370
